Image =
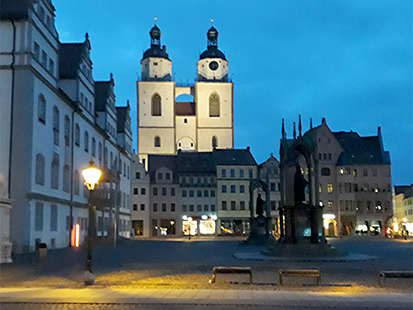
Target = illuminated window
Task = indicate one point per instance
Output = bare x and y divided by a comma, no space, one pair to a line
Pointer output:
329,188
330,204
214,105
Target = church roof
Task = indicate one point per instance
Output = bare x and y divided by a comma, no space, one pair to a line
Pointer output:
212,52
361,150
156,51
185,108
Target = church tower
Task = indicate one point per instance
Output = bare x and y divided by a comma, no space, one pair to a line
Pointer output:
155,101
165,124
214,98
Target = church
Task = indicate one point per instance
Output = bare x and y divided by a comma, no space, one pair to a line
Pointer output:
167,124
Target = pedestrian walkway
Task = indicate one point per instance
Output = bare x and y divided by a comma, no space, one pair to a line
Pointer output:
213,297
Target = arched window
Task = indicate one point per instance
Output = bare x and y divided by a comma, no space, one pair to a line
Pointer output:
156,106
214,142
325,171
157,141
66,179
111,160
93,147
86,141
77,135
39,177
41,109
67,130
76,182
55,172
214,105
56,125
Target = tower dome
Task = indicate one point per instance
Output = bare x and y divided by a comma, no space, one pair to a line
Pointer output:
155,50
212,49
155,33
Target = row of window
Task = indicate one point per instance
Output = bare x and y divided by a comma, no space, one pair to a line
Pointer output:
231,174
87,104
48,66
196,180
157,142
354,187
233,205
164,207
232,189
360,206
199,193
199,208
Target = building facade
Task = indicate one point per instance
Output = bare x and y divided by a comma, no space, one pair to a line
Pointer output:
167,124
354,176
403,210
49,91
197,193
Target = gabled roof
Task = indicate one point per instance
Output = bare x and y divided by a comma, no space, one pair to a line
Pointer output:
70,57
15,9
232,157
122,117
156,162
195,162
102,93
361,150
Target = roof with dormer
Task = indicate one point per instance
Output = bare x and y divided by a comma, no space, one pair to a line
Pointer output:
233,157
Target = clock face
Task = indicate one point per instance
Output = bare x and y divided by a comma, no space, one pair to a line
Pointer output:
213,65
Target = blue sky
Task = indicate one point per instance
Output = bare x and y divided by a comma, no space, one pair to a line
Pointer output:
349,61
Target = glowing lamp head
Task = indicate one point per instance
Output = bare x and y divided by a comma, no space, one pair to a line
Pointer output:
91,175
405,220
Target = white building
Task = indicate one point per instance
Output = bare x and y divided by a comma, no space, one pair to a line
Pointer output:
48,90
165,123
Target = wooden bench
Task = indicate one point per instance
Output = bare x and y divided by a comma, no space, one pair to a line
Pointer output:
393,275
230,270
300,273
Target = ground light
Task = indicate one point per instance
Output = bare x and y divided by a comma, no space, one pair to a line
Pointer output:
91,176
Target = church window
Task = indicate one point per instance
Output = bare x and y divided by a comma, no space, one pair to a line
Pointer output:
156,105
214,105
214,142
41,109
77,135
56,125
39,169
157,141
55,172
67,130
185,121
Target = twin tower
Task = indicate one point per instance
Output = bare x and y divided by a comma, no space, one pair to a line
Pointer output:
167,125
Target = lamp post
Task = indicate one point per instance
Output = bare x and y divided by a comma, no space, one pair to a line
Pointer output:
91,176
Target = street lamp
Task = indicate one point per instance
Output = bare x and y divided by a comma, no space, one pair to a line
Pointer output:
91,175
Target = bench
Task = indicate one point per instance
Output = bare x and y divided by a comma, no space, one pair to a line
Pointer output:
393,275
230,270
300,273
